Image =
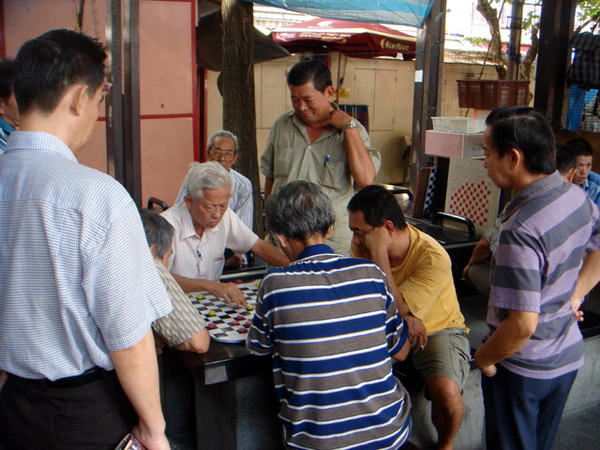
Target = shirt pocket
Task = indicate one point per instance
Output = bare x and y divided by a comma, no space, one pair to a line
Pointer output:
334,176
282,162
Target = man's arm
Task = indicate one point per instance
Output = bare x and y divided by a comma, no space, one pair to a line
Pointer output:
378,241
403,352
198,343
137,370
512,334
359,161
270,254
589,276
227,291
268,187
480,252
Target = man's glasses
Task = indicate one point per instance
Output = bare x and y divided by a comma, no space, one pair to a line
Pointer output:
218,154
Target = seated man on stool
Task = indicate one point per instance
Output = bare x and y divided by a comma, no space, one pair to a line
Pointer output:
204,227
183,328
333,328
420,273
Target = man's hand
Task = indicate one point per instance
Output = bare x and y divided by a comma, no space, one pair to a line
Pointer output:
488,371
338,118
378,241
229,292
417,333
465,273
575,304
151,442
159,343
234,262
485,369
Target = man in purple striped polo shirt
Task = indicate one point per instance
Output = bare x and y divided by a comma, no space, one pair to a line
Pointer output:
547,259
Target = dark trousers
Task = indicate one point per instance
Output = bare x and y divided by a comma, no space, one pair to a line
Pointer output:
523,413
37,415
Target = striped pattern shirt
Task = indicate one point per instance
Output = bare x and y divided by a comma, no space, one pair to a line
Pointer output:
331,324
5,130
184,322
547,229
76,276
202,257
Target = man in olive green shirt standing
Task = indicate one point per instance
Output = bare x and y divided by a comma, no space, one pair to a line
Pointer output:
319,143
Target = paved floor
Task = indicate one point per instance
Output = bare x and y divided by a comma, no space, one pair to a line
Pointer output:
579,430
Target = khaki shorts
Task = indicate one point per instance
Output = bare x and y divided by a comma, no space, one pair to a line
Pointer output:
447,354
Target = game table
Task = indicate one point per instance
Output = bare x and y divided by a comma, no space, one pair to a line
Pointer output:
235,402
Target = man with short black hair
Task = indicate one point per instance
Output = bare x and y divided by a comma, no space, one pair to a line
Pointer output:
534,348
9,111
584,176
78,287
318,142
420,274
477,270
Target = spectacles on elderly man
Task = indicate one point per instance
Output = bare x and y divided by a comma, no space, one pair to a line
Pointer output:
218,153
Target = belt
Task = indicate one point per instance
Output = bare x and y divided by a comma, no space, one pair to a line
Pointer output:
87,377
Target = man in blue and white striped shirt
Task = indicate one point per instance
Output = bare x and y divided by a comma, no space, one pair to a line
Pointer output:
78,286
332,326
534,348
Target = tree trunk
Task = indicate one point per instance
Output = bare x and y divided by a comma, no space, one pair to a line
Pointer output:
525,73
496,55
239,111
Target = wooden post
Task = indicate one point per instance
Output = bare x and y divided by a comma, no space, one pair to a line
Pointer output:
239,110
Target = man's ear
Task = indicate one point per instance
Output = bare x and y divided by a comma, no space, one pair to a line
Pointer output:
329,92
284,242
79,98
328,232
516,157
188,201
153,248
2,106
389,226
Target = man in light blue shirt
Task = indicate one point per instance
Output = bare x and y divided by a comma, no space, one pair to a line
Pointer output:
78,286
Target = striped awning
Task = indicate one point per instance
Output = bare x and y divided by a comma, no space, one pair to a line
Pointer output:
400,12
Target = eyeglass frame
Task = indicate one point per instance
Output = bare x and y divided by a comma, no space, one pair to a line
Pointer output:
221,153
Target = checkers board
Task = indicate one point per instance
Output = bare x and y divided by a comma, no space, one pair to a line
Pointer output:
229,324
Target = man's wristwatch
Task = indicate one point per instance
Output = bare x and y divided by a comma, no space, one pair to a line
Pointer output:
348,125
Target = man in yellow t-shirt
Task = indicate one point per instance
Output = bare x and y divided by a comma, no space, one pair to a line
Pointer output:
425,296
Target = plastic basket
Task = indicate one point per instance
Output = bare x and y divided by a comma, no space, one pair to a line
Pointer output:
457,124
